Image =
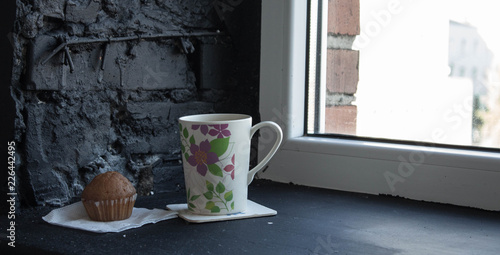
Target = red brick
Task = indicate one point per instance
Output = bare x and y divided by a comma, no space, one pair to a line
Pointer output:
343,17
342,71
341,119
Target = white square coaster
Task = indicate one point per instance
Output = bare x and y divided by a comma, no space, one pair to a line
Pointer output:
253,210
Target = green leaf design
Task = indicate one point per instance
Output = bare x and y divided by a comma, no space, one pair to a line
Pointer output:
194,197
186,155
183,149
232,206
191,140
191,205
220,188
185,133
219,146
215,170
209,205
180,127
215,209
189,193
228,196
208,195
210,186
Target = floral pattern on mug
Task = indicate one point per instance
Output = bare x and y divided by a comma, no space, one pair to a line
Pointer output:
230,168
203,128
206,157
202,157
217,130
220,131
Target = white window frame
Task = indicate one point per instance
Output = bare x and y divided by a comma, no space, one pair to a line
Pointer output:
444,175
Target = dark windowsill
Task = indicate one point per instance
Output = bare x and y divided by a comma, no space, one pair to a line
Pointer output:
309,221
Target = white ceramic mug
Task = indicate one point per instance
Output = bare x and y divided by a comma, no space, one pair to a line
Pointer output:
216,157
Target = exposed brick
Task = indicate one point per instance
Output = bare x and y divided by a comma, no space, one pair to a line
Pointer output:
157,66
342,71
338,99
118,110
341,119
343,17
44,77
196,107
154,128
151,128
60,140
151,110
54,8
87,67
86,13
147,65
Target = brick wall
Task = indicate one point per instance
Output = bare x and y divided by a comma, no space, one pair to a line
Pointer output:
342,67
111,99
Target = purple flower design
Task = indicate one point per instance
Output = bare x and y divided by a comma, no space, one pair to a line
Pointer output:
201,157
203,128
220,131
230,168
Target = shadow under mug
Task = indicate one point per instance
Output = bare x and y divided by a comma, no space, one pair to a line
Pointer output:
216,158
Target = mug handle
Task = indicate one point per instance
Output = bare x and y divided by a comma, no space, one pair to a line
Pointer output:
271,153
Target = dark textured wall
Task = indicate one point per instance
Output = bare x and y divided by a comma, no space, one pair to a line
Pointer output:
113,105
7,17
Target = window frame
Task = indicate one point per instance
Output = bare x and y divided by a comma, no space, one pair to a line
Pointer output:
420,172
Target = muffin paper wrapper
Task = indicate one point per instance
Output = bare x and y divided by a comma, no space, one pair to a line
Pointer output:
110,210
75,216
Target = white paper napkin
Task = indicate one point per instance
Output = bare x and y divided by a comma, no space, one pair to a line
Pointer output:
75,216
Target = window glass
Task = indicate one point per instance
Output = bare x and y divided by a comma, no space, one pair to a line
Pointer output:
426,71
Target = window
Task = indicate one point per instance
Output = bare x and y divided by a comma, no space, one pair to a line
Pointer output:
421,172
387,72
